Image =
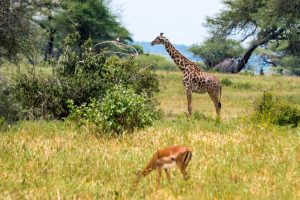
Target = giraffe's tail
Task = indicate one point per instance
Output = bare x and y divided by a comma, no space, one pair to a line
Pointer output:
220,97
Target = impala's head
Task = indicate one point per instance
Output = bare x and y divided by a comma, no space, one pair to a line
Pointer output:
139,174
159,40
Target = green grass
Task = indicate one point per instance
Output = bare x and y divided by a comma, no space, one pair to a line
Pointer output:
235,159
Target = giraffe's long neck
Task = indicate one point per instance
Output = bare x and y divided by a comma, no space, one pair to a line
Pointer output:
181,61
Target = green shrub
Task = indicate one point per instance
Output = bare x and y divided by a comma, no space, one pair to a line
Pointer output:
292,64
270,110
2,123
87,114
120,110
40,96
242,86
10,108
226,82
82,75
101,72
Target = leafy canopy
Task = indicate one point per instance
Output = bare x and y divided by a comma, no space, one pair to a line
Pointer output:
279,19
212,52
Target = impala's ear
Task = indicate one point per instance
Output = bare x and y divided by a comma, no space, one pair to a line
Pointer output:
161,34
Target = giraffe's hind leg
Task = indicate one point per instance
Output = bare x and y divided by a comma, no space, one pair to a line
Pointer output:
217,104
189,100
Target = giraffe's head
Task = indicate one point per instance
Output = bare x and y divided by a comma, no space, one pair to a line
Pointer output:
159,40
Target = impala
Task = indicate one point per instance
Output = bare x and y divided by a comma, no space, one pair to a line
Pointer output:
167,158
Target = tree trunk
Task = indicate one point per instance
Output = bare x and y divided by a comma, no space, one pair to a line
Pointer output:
49,47
235,65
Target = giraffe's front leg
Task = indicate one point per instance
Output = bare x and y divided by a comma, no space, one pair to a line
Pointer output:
189,100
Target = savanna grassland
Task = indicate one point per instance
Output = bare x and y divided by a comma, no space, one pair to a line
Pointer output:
235,159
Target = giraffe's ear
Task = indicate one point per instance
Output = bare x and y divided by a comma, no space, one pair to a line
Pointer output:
161,34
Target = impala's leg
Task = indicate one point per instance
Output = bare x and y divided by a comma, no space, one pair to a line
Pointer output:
184,173
216,102
169,178
189,100
168,175
183,163
158,178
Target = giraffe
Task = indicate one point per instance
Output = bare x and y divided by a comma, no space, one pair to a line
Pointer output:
194,79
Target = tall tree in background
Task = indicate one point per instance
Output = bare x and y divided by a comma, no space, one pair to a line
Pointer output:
94,19
91,19
16,29
215,50
21,20
267,21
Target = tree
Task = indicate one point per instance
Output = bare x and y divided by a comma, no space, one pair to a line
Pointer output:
267,21
212,52
16,29
93,19
20,21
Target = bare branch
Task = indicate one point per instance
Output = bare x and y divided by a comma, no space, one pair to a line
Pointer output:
119,45
250,34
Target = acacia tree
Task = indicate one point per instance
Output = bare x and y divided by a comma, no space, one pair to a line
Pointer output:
212,52
267,21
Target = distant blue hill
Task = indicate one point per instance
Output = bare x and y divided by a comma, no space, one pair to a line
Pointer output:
255,61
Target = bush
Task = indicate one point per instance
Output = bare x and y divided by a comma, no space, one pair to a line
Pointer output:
82,75
242,86
121,110
10,109
226,82
101,73
292,64
270,110
40,96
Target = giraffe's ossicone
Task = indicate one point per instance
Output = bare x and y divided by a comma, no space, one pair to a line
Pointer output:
194,79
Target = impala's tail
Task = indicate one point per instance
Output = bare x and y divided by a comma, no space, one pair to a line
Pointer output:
187,158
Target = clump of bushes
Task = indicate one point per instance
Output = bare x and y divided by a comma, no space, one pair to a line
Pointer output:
120,110
10,108
112,93
242,86
237,85
269,109
39,96
291,64
83,74
226,82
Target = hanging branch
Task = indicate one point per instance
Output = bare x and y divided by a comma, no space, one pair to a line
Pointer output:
120,46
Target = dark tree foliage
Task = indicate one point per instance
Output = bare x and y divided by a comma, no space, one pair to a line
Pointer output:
93,19
20,21
15,29
212,52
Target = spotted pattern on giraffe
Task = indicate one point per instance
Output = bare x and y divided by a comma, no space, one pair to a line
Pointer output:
194,79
